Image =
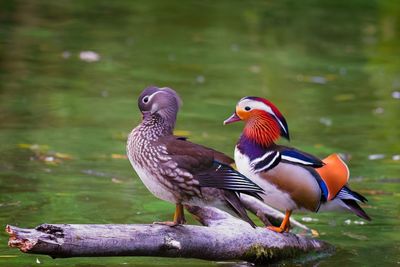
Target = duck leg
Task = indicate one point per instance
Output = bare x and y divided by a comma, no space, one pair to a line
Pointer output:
285,225
179,217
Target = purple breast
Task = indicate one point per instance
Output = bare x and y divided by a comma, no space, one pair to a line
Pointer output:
250,148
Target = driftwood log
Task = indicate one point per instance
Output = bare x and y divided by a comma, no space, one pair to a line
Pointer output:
223,237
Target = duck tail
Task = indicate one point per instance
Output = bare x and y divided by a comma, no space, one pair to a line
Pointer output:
354,207
350,198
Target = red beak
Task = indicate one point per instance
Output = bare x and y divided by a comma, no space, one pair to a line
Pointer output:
231,119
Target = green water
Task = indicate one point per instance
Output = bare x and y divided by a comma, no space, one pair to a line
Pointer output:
332,67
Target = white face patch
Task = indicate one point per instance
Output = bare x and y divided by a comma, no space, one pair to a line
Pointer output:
149,97
253,104
154,107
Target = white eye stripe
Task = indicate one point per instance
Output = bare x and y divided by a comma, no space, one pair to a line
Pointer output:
262,106
154,108
149,97
256,105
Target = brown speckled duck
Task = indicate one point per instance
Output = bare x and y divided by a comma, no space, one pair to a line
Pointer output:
179,171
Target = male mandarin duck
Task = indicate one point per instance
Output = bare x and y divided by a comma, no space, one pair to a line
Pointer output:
178,171
291,179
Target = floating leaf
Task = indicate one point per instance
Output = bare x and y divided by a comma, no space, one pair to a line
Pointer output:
314,233
41,153
378,110
66,54
27,146
116,181
235,47
17,203
34,147
50,160
326,121
118,156
309,219
355,236
63,155
255,69
182,133
94,173
376,156
200,79
396,95
317,79
89,56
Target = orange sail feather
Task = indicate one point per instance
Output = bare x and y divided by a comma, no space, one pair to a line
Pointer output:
335,174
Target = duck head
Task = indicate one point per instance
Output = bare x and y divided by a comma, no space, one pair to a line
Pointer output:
264,123
164,102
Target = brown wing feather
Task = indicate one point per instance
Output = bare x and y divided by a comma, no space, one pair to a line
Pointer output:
198,155
189,156
202,163
206,169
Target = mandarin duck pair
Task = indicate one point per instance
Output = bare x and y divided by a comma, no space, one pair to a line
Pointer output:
184,173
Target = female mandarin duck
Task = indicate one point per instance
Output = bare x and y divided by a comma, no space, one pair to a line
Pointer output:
291,178
176,170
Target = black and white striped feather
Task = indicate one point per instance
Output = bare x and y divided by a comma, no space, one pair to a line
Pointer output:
225,177
266,162
347,193
349,199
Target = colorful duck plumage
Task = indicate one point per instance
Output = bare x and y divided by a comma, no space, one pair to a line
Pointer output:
292,179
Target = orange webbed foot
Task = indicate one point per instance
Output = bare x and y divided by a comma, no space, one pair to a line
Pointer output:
276,229
168,223
285,225
179,217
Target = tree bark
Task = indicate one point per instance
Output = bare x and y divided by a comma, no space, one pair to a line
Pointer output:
223,237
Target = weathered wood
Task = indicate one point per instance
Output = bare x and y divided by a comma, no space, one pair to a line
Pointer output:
223,237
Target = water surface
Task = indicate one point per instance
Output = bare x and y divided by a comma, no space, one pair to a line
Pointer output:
333,69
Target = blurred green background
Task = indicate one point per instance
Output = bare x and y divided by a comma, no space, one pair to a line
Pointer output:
71,72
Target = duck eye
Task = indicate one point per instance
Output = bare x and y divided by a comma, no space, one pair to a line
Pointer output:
145,99
247,108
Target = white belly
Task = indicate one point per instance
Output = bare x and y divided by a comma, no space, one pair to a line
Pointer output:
152,184
272,196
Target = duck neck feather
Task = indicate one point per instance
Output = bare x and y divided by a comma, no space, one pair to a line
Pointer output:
262,129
